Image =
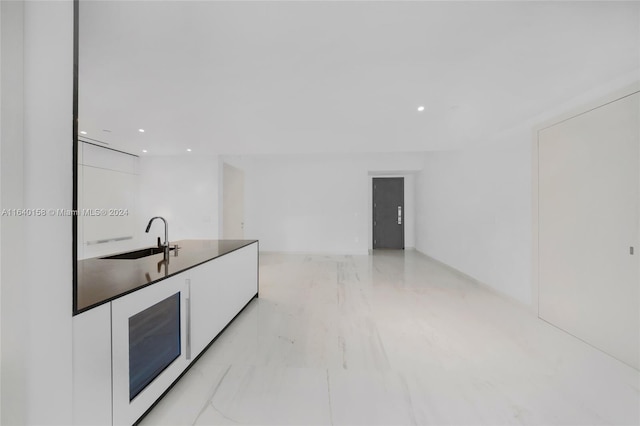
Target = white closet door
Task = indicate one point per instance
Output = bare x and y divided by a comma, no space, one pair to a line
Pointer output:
588,221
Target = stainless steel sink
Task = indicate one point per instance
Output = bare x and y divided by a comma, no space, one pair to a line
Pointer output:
137,254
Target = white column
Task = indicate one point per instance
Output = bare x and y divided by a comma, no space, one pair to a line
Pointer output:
13,344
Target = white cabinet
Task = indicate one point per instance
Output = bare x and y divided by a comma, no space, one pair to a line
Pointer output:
107,180
208,319
92,367
219,290
154,310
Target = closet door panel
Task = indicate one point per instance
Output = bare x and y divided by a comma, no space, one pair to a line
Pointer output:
588,221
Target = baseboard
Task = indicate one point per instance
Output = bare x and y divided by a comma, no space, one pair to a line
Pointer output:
528,307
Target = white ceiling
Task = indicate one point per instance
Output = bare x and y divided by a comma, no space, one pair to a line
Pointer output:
306,77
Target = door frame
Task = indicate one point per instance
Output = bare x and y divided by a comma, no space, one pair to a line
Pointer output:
402,213
409,205
223,207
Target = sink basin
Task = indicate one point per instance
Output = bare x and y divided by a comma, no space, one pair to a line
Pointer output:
137,254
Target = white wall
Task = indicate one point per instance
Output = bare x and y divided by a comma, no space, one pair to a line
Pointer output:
409,206
315,203
474,213
474,206
182,189
37,173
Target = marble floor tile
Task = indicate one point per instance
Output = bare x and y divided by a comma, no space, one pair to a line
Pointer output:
276,395
369,398
394,338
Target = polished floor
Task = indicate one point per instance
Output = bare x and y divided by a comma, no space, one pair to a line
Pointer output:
394,339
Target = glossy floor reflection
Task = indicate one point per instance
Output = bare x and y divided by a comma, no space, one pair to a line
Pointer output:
394,339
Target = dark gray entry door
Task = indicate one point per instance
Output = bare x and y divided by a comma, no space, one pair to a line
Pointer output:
388,213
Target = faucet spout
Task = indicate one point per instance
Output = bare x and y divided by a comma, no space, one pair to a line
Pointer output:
166,233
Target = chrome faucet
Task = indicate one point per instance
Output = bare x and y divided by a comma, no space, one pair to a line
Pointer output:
166,234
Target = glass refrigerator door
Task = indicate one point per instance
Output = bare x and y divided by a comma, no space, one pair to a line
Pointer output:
150,335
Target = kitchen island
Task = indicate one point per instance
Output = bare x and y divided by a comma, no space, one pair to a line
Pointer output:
139,324
101,280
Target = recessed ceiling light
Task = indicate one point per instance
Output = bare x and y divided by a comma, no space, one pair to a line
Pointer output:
141,130
82,132
420,108
188,149
144,150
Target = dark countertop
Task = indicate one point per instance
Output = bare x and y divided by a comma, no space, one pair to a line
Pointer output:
102,280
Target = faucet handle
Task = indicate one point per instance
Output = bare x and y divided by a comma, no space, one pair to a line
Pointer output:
159,243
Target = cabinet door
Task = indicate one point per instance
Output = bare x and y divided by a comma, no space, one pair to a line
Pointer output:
220,288
92,367
149,329
104,190
588,224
